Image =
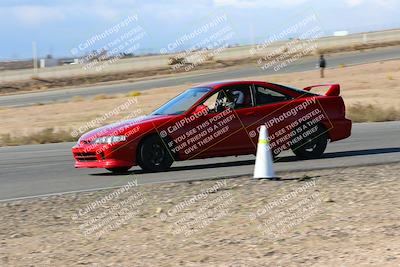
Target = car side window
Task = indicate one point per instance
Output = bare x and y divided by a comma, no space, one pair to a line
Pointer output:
219,102
266,95
211,102
234,97
243,96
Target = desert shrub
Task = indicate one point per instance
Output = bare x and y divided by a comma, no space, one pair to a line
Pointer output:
103,96
133,94
372,113
48,135
77,98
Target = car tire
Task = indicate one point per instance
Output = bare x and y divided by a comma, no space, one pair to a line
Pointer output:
118,170
153,154
312,146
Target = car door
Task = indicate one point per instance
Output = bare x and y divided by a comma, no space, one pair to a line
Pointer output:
221,130
270,106
246,113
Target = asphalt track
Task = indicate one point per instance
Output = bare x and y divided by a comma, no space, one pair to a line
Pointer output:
304,64
33,170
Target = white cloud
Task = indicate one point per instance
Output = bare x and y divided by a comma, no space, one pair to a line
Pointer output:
36,15
353,3
387,3
381,3
105,12
258,3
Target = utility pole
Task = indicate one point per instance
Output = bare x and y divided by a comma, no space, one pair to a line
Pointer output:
252,37
365,38
34,58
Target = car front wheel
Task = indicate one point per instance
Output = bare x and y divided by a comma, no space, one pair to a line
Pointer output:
153,154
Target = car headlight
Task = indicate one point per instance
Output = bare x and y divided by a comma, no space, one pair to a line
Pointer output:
109,139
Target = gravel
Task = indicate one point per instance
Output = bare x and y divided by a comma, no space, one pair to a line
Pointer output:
342,216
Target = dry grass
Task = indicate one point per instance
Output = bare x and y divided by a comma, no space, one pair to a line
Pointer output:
369,113
355,47
133,94
77,98
103,96
48,135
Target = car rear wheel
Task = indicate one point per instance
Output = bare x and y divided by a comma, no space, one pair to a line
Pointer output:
311,146
153,154
118,170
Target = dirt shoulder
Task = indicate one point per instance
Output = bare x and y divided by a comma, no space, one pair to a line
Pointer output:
375,84
317,218
37,83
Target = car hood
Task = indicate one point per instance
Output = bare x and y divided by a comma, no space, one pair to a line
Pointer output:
119,128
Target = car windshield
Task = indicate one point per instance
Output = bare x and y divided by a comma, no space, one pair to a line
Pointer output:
182,102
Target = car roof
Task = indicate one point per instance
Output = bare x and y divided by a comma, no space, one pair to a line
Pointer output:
218,84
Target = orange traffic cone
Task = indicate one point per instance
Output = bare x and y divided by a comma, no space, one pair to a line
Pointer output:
263,168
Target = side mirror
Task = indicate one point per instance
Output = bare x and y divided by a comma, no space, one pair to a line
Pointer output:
201,110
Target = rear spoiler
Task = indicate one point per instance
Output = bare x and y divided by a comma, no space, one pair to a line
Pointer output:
334,89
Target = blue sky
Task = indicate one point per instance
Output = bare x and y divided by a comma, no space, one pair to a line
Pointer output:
60,25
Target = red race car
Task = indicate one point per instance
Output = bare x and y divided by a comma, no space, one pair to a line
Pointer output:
219,119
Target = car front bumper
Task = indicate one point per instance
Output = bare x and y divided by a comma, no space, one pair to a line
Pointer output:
103,156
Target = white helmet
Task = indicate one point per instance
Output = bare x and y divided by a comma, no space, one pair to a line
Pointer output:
239,97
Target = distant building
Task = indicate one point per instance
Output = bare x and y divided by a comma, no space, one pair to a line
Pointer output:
49,61
341,33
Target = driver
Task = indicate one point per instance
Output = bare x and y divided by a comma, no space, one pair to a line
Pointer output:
230,99
234,99
239,97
